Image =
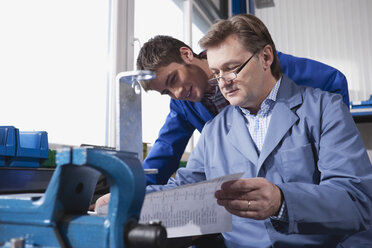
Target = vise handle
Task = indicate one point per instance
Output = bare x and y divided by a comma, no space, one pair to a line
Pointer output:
152,235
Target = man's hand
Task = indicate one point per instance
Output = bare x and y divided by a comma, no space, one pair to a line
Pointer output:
254,198
103,200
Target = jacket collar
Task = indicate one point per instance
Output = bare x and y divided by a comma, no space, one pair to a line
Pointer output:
282,119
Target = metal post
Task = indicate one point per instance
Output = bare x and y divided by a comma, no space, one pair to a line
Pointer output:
187,21
124,131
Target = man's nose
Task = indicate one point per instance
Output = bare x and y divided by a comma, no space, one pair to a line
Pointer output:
179,93
224,82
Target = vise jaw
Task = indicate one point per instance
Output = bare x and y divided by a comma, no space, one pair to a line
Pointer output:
59,217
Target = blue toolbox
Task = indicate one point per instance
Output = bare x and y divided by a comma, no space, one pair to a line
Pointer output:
361,107
26,163
7,143
59,218
22,148
361,110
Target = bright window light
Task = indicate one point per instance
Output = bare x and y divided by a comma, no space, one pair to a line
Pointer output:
53,68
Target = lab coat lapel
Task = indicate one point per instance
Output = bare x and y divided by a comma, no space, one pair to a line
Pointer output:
283,118
240,138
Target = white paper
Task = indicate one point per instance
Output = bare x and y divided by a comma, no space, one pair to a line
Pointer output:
190,209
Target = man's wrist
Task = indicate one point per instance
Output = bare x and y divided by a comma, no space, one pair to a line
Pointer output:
281,214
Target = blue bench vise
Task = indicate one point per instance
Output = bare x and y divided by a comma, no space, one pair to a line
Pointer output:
59,218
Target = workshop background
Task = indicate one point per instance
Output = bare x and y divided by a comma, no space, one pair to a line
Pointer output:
59,59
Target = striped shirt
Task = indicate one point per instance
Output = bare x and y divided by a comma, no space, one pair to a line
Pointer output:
259,123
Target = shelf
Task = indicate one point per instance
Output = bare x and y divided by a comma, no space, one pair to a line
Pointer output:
362,115
24,180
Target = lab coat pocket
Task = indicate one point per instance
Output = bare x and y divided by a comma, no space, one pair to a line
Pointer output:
298,165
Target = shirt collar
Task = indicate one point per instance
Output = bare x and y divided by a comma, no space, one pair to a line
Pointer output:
269,101
274,91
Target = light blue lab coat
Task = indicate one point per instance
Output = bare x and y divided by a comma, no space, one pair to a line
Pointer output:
312,151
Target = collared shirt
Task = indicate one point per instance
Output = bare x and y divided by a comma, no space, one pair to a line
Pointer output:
259,123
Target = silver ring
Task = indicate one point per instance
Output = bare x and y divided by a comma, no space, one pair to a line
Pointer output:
249,205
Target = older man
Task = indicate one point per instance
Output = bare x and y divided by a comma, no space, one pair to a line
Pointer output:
308,178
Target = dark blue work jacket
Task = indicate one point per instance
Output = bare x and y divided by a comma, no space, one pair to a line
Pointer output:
185,116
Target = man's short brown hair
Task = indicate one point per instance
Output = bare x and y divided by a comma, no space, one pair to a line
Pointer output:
251,31
157,52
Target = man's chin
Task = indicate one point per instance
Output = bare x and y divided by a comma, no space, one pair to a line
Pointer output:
233,101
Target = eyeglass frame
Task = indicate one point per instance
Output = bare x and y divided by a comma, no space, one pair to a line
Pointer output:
234,74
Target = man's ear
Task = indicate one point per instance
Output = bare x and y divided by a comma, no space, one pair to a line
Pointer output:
186,54
268,57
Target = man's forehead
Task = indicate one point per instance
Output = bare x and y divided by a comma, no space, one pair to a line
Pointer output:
222,59
156,84
159,82
227,52
165,70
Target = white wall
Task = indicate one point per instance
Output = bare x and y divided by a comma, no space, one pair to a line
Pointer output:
336,32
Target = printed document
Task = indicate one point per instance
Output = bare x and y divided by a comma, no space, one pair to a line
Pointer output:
190,209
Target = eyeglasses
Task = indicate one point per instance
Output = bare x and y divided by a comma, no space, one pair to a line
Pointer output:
229,76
